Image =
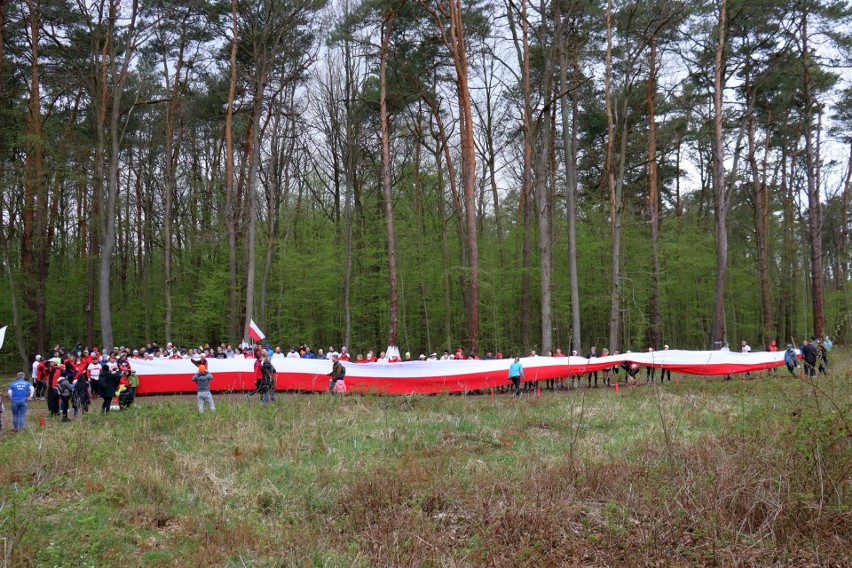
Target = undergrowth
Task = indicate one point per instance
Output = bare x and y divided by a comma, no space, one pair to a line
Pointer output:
702,473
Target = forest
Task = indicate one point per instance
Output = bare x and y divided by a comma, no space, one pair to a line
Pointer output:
432,174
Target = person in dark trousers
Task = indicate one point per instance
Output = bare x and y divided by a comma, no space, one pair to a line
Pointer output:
337,372
268,380
516,375
809,357
51,378
65,389
202,378
80,395
664,373
593,354
108,380
822,356
790,359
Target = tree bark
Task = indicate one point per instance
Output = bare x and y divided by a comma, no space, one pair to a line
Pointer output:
615,203
112,180
814,205
231,214
387,28
542,200
35,242
522,50
718,329
570,147
761,215
655,331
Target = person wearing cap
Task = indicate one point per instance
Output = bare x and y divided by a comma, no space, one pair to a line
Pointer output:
202,378
20,393
39,370
36,363
665,372
790,360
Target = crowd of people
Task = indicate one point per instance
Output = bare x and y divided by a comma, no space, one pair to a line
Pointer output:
73,380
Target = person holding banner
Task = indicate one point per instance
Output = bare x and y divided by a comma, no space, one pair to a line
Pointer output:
516,374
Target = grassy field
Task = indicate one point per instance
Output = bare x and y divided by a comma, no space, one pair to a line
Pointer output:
705,472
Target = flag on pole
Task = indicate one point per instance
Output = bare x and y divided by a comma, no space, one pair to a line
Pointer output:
2,334
254,331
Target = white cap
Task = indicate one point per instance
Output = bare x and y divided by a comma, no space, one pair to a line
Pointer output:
38,357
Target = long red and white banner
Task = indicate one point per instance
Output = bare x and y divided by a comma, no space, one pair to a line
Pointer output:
429,377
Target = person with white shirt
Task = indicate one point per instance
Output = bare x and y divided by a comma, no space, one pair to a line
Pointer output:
745,348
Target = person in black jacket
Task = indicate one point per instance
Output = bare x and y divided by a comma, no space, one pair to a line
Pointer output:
108,380
809,357
52,376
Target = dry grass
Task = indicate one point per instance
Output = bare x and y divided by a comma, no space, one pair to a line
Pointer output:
705,473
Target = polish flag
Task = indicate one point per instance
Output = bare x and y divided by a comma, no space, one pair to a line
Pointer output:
254,331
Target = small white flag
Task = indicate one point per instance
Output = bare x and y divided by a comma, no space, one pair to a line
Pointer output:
2,334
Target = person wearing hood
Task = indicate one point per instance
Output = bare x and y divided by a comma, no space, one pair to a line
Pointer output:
791,360
202,378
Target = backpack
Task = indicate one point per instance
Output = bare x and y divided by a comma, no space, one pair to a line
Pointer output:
790,358
828,344
64,387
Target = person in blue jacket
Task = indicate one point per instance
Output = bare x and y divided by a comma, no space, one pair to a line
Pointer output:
21,391
516,374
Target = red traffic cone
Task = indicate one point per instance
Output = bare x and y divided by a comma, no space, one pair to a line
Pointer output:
41,420
616,387
538,392
491,395
677,383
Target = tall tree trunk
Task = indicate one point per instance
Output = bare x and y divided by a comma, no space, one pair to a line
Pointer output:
349,180
542,198
386,179
172,149
615,202
231,214
468,160
453,37
522,49
445,246
814,206
35,243
843,262
655,331
718,329
570,146
112,181
761,215
251,191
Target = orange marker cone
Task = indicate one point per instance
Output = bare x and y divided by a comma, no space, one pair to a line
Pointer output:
491,395
538,392
677,383
616,387
41,420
